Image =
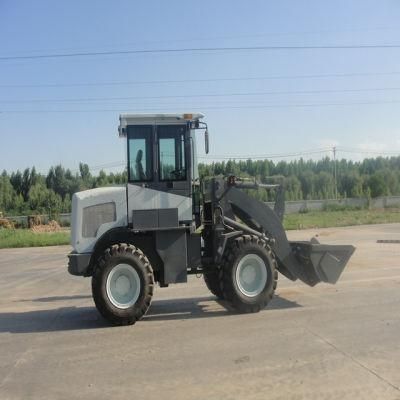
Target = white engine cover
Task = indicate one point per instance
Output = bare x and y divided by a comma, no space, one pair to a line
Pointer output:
139,198
94,197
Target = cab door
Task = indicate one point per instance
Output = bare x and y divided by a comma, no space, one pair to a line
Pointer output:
173,159
159,169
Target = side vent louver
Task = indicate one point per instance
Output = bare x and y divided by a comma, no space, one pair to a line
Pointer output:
95,216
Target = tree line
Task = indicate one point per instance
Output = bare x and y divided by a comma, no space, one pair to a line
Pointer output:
315,179
29,192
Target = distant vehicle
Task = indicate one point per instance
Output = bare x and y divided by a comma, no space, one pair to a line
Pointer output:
166,224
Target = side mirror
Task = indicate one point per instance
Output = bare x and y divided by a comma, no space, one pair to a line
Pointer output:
206,141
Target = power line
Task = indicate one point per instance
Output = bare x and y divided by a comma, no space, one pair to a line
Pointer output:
233,157
361,151
225,37
166,107
198,50
112,164
107,165
265,93
237,157
175,81
266,156
299,154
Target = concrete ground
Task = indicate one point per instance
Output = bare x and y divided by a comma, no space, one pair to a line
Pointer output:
327,342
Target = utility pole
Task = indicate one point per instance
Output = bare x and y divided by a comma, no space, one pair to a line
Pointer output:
334,171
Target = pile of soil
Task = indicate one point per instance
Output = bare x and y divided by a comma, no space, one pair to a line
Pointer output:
5,223
52,226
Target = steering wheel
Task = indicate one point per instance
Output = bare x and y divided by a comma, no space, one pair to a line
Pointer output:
177,172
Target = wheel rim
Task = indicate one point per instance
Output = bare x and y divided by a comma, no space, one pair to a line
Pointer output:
123,286
251,275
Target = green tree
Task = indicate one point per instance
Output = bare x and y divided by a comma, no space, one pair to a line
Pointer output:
7,193
102,180
16,181
45,201
377,185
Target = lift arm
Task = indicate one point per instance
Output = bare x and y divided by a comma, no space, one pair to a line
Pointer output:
309,261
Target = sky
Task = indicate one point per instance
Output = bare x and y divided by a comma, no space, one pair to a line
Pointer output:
258,103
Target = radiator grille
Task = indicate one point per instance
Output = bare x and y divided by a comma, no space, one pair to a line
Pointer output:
95,216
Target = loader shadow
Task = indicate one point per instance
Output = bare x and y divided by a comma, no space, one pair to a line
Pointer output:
86,318
55,298
202,307
51,320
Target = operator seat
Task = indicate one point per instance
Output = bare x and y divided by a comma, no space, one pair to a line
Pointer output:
141,176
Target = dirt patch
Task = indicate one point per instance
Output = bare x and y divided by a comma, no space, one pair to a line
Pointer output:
5,223
52,226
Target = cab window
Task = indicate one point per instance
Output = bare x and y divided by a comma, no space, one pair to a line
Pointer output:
171,149
140,153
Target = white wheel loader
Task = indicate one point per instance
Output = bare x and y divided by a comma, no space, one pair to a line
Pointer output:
166,224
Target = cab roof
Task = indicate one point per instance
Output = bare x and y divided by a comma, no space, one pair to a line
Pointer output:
145,119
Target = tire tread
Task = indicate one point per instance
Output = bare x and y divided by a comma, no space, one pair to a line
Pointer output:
122,317
236,249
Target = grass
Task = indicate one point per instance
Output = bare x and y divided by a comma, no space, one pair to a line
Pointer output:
311,219
27,238
328,219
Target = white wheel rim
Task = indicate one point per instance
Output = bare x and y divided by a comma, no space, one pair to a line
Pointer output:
123,286
251,275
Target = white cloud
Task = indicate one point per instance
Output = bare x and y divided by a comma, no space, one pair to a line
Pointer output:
327,143
373,146
369,149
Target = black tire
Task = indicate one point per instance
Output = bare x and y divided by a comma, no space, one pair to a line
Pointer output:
115,255
212,281
240,247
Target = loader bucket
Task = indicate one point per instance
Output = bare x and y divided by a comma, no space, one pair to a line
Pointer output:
321,262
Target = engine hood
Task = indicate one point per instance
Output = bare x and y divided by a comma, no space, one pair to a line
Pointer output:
94,212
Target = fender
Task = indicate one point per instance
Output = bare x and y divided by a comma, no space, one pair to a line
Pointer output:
145,241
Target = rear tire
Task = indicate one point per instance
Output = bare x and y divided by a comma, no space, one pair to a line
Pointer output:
248,274
212,281
122,284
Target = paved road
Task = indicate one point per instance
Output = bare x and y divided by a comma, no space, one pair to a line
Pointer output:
327,342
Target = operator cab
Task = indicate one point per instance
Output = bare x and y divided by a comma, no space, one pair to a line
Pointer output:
162,161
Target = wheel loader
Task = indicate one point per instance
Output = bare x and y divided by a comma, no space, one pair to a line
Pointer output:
166,223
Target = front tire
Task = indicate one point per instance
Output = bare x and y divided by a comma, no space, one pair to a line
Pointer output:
248,274
122,284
